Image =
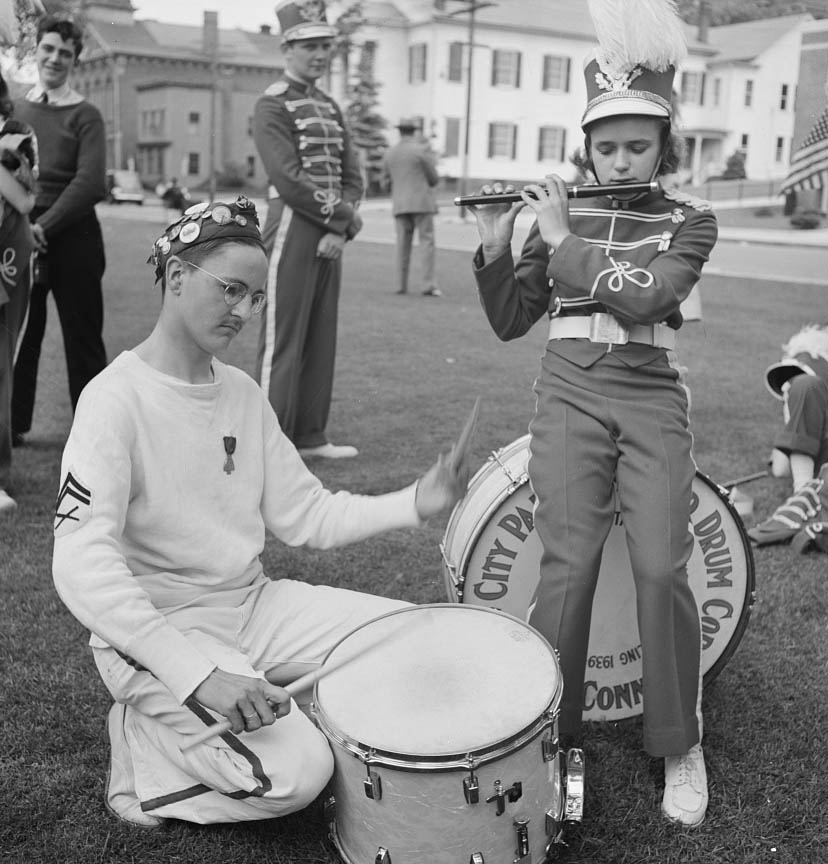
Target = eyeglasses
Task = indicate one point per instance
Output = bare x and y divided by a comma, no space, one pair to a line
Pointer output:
235,292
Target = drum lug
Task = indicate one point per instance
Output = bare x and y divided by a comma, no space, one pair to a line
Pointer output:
383,856
524,856
373,786
553,826
549,747
477,858
471,789
574,785
502,795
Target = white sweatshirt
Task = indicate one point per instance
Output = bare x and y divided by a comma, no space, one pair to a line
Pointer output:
151,516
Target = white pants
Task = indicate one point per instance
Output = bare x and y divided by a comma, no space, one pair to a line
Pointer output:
273,771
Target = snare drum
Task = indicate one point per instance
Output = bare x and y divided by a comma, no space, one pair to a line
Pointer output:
444,733
492,555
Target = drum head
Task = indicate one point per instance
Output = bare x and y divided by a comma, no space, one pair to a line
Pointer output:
438,680
492,558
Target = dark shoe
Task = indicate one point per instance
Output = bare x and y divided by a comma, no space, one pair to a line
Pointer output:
433,292
19,440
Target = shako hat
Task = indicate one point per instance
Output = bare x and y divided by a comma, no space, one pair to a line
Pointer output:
805,354
640,45
303,19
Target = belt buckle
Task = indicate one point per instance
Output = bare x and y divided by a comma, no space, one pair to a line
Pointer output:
604,327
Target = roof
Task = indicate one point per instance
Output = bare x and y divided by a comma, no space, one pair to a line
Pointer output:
746,41
180,41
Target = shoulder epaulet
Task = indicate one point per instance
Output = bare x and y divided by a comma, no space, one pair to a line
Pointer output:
277,88
690,200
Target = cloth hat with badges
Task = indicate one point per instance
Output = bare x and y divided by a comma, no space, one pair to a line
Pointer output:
203,223
641,42
303,19
806,353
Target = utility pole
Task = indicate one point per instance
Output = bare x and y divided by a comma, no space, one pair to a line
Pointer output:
210,44
470,9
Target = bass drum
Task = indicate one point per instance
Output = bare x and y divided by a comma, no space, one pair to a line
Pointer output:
492,554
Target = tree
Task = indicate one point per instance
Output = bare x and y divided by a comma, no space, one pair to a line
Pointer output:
736,11
735,166
365,122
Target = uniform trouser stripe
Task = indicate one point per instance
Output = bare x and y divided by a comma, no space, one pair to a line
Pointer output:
270,307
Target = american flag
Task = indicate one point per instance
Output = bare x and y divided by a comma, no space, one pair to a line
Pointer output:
809,165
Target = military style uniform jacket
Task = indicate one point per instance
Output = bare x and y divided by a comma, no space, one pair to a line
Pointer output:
307,154
636,261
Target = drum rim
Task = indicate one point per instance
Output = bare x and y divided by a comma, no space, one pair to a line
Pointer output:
750,580
546,718
455,583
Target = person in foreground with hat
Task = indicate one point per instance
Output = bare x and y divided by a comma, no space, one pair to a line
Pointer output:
611,409
410,167
315,188
174,470
800,448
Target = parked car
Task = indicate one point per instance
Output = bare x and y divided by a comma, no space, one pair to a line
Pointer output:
124,187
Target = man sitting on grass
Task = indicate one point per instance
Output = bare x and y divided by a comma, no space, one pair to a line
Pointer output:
174,470
800,449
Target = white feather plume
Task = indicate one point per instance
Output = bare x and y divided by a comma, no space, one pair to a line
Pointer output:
811,339
648,33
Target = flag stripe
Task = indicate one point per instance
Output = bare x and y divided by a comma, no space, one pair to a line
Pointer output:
809,165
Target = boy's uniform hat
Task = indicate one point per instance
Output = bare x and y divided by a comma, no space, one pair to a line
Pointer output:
641,43
805,354
303,19
410,123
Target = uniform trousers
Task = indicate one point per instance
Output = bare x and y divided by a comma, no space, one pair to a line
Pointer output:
272,771
12,316
806,419
76,263
612,422
406,224
297,340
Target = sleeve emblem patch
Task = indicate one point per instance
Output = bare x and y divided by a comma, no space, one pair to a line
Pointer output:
73,507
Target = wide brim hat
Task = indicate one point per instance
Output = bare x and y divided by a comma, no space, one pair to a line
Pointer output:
303,19
410,123
640,45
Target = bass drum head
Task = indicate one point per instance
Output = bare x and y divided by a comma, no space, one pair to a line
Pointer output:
492,554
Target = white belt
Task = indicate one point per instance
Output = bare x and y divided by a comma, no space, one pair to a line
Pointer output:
606,328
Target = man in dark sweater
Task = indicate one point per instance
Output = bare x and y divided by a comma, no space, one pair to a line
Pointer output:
68,242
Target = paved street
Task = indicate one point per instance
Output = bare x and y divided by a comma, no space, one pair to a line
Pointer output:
796,257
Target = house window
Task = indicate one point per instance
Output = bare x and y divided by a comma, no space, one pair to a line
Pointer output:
455,64
748,93
452,144
506,68
152,122
368,59
251,166
780,149
502,140
692,88
551,144
193,122
193,163
417,63
783,97
744,143
555,73
717,91
250,126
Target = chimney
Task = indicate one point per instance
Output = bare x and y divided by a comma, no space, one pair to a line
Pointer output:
264,29
210,34
704,21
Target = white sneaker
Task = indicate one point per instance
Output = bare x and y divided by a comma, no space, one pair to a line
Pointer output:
119,796
685,788
329,451
7,504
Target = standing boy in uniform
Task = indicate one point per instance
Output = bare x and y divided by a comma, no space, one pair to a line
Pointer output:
316,186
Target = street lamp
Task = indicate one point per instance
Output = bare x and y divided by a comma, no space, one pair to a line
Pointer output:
470,7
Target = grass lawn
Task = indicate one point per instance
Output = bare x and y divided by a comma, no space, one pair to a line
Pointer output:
408,371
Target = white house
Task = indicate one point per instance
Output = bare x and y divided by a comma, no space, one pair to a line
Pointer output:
527,91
